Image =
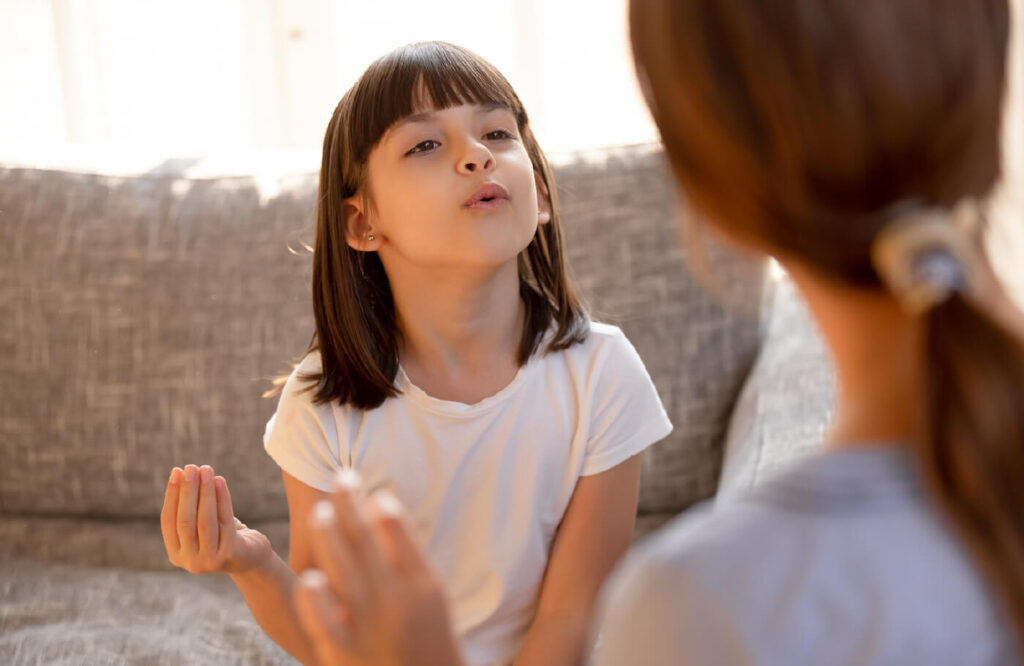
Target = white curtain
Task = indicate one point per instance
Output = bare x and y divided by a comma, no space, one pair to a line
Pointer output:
193,76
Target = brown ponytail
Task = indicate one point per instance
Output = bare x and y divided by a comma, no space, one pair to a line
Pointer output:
974,457
790,125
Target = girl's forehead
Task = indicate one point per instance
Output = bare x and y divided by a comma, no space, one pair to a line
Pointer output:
428,113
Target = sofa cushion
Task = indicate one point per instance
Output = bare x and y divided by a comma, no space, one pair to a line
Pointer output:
144,315
688,304
58,614
786,404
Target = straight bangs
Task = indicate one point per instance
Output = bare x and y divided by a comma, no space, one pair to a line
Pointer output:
426,76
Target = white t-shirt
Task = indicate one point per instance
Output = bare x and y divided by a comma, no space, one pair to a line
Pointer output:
485,485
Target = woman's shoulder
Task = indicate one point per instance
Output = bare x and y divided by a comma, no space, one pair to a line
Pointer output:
708,540
669,596
782,555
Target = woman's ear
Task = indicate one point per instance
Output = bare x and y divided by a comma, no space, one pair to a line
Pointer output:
543,200
359,232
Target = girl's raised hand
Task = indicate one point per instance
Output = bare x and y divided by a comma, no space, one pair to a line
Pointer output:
199,527
374,599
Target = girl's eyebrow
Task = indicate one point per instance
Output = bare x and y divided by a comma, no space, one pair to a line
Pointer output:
426,116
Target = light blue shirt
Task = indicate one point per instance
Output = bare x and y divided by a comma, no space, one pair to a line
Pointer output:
840,559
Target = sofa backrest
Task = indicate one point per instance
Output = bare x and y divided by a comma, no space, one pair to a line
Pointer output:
142,316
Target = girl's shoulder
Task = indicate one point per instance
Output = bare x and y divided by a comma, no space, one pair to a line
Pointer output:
599,338
300,385
605,347
603,332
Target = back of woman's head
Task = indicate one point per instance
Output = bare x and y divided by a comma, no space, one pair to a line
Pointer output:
800,127
356,332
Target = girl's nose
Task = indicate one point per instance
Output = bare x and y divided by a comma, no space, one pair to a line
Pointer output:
476,158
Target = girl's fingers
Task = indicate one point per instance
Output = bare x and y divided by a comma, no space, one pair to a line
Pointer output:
188,504
207,512
169,513
226,521
322,618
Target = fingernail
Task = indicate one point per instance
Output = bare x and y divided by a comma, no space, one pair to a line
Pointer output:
323,514
347,479
387,503
190,473
175,475
313,578
206,473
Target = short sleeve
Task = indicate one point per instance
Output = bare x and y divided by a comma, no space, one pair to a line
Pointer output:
302,437
660,614
626,415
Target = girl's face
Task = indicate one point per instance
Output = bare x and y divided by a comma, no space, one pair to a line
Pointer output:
449,188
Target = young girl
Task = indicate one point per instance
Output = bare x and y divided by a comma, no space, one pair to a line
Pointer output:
453,367
854,140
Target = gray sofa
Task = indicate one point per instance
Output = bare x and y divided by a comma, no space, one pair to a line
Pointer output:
142,314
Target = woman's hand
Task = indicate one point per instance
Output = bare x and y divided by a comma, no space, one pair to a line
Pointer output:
200,530
374,599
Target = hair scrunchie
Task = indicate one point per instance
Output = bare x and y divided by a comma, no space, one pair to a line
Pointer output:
927,254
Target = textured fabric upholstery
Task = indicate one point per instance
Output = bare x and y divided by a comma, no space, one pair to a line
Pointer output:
786,404
145,314
141,317
71,615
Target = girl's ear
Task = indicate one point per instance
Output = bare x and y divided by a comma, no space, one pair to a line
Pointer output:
359,233
543,200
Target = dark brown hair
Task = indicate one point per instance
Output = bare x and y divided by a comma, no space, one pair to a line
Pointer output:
356,331
791,124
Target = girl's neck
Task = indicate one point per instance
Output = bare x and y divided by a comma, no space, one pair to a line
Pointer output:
879,359
460,332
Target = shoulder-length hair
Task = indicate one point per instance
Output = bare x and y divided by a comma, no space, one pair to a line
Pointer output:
356,331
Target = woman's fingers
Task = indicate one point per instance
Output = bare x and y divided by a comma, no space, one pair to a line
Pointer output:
188,504
206,519
355,529
333,556
169,513
394,535
322,618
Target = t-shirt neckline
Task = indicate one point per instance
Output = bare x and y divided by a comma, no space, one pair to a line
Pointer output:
455,408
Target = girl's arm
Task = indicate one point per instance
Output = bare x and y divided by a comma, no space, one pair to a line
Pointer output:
593,535
269,589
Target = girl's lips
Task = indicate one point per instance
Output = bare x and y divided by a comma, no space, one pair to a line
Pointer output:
486,197
486,204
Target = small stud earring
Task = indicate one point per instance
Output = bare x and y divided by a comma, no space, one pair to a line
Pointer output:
369,237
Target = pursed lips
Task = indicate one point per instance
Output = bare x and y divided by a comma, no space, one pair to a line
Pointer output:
486,197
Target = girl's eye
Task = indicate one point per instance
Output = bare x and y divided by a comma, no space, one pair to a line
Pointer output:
498,135
424,146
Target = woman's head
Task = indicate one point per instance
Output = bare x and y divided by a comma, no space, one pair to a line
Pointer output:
426,131
807,128
791,125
